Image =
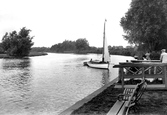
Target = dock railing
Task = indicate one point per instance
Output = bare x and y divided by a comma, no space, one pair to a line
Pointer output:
151,69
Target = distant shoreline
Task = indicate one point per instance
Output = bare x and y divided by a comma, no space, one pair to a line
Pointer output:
32,54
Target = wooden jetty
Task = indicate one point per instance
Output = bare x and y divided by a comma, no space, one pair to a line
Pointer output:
147,69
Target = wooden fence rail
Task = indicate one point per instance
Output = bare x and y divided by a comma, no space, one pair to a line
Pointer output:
145,69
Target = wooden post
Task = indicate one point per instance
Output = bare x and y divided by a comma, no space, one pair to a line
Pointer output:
143,73
149,70
119,74
155,69
122,76
165,76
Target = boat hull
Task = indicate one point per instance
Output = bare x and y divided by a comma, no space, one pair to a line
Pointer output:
97,65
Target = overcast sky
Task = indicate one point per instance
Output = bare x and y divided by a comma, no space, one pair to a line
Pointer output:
53,21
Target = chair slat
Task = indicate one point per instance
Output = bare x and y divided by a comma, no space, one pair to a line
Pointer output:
129,98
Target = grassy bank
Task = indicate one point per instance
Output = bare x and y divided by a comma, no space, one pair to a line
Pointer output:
152,103
100,104
3,56
30,55
37,54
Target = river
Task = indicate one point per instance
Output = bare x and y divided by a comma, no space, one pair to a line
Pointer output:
47,85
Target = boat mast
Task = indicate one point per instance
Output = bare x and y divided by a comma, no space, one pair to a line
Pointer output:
104,40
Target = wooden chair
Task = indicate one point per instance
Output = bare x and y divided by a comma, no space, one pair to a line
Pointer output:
128,99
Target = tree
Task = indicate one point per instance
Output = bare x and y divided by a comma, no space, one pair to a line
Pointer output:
66,45
17,44
145,24
1,49
71,46
82,44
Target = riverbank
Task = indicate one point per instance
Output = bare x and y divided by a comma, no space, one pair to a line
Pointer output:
37,54
100,104
32,54
152,102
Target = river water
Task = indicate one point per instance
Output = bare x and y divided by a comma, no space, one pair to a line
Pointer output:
47,85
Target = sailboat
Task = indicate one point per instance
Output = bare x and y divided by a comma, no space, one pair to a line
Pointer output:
104,63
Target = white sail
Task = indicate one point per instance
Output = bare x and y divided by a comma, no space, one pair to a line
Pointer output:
104,64
106,55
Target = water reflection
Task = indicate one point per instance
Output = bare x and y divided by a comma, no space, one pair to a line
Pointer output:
105,77
15,85
15,63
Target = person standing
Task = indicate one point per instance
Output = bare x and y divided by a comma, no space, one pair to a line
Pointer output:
163,56
147,56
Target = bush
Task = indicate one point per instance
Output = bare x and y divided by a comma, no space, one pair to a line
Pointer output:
155,55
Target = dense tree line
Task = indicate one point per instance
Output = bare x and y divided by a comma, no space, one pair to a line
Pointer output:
65,46
40,49
82,46
17,44
120,50
145,25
